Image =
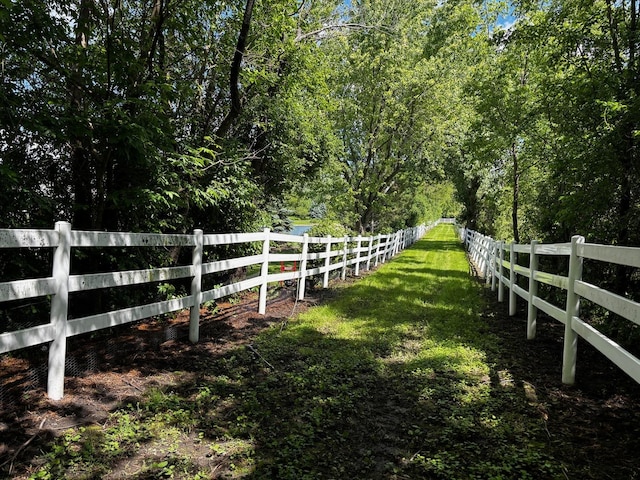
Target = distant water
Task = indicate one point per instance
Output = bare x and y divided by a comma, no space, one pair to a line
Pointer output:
300,229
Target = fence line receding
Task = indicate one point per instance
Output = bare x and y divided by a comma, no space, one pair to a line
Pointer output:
361,252
498,262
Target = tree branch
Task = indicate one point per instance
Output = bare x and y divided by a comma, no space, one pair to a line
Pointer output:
234,76
614,37
341,26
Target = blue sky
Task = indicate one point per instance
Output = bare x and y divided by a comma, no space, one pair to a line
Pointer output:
506,21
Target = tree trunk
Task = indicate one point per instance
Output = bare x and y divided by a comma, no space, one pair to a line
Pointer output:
78,137
627,152
470,216
234,77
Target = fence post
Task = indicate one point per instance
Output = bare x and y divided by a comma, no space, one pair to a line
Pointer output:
59,311
327,263
378,250
512,279
470,238
385,250
369,250
476,249
532,310
196,286
303,267
357,269
570,349
343,275
395,245
264,274
473,249
494,247
487,260
501,273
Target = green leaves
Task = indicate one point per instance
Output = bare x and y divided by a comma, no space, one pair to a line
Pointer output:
108,114
389,104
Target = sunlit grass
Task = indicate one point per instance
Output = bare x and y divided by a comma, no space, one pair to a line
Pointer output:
393,378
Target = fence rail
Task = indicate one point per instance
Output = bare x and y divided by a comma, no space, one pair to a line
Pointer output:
489,256
338,254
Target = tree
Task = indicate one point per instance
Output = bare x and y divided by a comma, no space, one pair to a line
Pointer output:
122,117
389,115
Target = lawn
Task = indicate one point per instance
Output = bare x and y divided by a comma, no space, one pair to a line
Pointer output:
394,377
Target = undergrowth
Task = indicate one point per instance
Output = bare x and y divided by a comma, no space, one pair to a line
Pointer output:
395,378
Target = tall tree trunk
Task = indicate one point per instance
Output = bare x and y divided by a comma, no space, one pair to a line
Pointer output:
156,37
234,76
471,207
364,220
627,152
80,133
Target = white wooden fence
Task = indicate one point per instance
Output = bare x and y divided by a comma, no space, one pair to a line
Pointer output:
498,262
357,252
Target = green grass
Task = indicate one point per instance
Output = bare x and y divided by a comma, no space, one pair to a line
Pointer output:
304,221
394,378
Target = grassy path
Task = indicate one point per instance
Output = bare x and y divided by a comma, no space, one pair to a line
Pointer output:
394,378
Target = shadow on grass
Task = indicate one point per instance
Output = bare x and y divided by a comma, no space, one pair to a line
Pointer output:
394,378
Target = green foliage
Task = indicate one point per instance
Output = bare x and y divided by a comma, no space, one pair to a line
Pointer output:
110,114
280,218
553,136
389,117
299,204
106,122
318,210
329,227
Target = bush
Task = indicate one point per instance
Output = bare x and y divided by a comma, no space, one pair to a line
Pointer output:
329,227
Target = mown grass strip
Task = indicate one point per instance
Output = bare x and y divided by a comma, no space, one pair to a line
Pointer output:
394,378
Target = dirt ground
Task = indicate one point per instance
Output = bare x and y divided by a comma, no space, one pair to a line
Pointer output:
111,369
595,423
